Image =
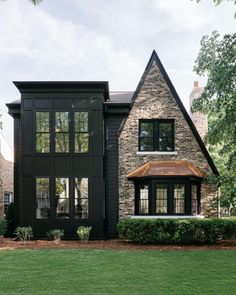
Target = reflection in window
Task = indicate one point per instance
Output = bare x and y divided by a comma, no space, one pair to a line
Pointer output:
165,136
143,199
61,132
81,198
161,199
81,132
179,196
62,197
146,136
42,135
194,203
42,198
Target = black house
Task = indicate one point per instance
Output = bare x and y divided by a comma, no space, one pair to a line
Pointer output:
69,139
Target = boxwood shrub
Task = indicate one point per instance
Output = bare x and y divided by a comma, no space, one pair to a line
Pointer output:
176,231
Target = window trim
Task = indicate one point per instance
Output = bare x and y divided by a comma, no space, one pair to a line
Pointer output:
36,132
80,132
64,132
155,139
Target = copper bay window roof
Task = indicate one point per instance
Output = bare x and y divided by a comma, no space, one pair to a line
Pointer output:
167,168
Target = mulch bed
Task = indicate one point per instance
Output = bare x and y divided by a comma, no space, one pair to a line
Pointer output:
10,244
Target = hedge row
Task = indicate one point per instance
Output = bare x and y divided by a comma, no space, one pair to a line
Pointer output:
176,231
3,227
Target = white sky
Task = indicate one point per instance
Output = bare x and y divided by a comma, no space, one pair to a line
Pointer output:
103,40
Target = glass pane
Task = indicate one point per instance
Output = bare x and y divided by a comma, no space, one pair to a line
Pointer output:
146,144
81,121
161,198
165,137
62,197
81,142
61,122
194,203
42,121
42,198
179,197
61,142
146,129
81,198
42,143
143,200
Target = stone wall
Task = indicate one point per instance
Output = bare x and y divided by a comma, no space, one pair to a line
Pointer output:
155,101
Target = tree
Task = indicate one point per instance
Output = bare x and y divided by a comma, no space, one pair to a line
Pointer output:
34,2
218,2
217,61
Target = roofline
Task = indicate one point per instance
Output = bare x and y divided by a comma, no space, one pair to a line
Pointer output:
154,57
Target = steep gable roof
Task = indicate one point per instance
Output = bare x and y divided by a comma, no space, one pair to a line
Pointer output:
154,58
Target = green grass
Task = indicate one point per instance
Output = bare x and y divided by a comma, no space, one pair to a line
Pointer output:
117,272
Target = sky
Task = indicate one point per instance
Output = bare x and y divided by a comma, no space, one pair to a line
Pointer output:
107,40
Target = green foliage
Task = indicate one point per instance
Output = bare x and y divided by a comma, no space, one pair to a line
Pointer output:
84,232
55,234
176,231
24,234
10,220
3,226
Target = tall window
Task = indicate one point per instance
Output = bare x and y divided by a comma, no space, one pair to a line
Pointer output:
7,200
42,198
61,132
161,198
156,135
194,202
179,197
81,198
81,132
62,197
42,135
143,199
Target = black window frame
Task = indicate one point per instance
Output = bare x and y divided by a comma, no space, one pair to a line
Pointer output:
155,136
42,132
81,132
68,132
152,182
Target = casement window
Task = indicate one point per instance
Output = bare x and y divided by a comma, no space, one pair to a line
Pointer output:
62,199
156,135
42,132
81,200
61,130
81,135
42,198
166,197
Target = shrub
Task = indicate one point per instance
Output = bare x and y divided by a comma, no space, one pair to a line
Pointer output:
55,234
24,233
176,231
84,232
3,227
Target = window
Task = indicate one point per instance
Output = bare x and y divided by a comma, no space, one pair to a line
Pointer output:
61,132
42,198
7,200
62,197
179,197
81,132
161,198
42,135
156,135
81,198
143,199
194,201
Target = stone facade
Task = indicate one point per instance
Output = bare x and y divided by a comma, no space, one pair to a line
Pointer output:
154,100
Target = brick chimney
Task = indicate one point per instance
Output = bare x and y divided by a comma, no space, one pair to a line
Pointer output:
199,119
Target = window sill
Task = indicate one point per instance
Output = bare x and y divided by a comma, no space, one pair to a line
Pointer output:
165,216
156,153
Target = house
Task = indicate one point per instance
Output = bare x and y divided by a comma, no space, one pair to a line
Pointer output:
87,156
6,175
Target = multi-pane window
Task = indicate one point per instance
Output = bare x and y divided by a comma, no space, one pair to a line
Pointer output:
42,132
156,135
42,198
62,198
7,200
81,198
81,132
61,132
194,201
179,198
143,199
161,198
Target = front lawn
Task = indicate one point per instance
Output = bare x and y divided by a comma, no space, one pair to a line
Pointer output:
117,272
